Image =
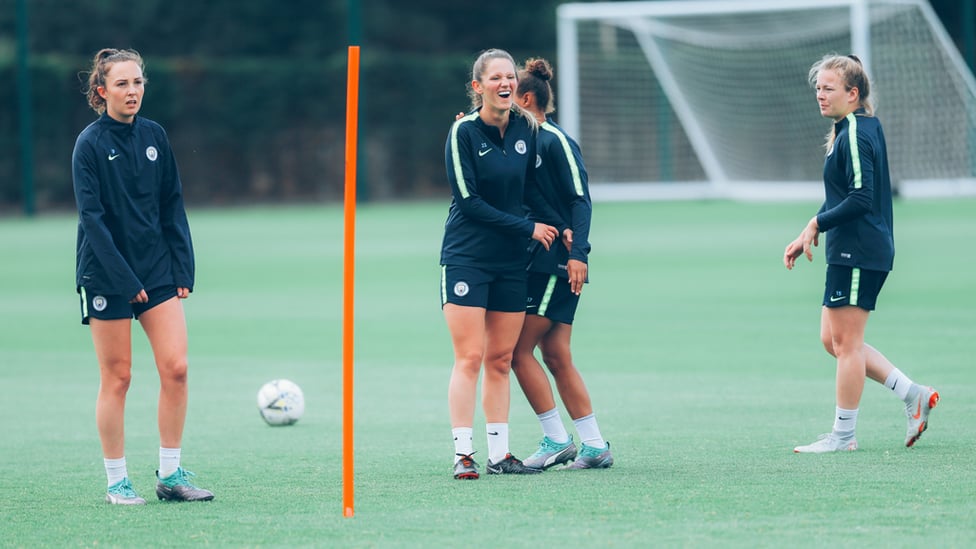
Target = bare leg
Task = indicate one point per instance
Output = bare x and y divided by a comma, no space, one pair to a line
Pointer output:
877,366
165,326
501,333
556,354
529,373
113,348
845,326
467,328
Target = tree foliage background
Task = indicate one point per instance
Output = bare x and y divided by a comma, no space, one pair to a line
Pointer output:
253,92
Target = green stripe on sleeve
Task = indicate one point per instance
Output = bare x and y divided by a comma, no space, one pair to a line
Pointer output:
456,155
573,168
855,155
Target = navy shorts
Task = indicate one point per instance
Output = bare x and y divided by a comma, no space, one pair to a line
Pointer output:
502,291
115,307
853,286
551,297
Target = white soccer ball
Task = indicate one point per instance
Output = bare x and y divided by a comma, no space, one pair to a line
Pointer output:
281,402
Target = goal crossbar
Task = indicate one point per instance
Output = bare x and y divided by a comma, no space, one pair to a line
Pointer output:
661,30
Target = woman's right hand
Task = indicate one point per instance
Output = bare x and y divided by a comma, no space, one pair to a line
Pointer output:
803,245
545,234
141,297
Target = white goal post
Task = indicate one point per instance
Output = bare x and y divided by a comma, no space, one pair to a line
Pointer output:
710,99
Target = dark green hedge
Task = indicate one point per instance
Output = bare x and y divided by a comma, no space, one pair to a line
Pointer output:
253,92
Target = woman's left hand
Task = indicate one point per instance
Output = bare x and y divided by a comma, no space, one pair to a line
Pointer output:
576,270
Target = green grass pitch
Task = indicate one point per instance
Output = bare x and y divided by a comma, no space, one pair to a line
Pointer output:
700,350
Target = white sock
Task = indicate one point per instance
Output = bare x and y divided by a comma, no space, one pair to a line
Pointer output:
169,461
899,383
462,442
552,426
115,470
844,422
589,431
497,441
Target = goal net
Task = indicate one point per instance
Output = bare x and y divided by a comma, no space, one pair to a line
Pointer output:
710,98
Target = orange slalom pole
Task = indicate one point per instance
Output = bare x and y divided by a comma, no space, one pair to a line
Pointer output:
348,284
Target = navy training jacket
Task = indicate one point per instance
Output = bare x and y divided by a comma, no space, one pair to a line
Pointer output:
133,232
562,182
487,225
857,210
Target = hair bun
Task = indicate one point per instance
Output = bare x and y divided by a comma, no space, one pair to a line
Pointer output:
539,68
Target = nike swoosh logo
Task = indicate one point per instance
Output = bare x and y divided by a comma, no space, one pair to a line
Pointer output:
918,412
833,299
113,157
484,152
493,433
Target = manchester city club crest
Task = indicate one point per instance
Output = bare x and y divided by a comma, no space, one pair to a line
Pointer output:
520,146
151,153
461,289
99,303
